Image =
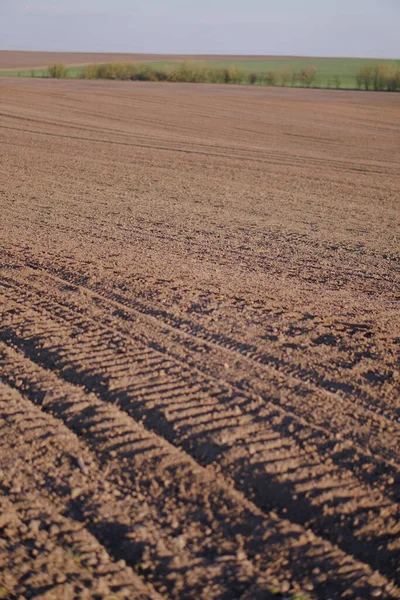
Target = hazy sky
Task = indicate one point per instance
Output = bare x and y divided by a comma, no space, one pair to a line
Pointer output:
367,28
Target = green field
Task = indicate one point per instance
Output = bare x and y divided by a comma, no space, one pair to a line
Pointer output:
73,73
329,70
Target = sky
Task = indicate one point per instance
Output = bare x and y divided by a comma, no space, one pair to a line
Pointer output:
356,28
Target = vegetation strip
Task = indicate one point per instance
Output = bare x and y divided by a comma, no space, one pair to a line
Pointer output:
314,73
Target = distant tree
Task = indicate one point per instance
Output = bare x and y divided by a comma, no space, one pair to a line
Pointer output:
337,80
393,79
379,77
294,77
308,76
271,78
365,77
284,77
253,77
58,71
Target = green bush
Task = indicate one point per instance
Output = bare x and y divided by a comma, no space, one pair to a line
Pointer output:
89,72
308,76
284,77
108,71
190,73
236,76
379,77
393,79
120,71
58,71
142,73
364,77
337,80
294,78
271,78
252,78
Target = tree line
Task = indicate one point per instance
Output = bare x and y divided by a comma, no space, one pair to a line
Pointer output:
374,76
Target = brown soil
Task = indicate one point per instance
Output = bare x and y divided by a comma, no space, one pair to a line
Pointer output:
12,59
199,342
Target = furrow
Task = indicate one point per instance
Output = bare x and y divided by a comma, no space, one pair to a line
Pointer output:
307,378
209,445
121,509
186,533
377,434
355,404
46,555
45,551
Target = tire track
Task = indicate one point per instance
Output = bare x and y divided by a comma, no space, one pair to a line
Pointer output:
296,477
273,544
44,554
378,436
307,381
39,532
129,516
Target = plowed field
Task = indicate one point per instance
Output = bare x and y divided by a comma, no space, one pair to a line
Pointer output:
199,342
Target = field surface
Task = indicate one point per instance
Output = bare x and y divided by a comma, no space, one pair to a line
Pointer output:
28,64
19,59
199,342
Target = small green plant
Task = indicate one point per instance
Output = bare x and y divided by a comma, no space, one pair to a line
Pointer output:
57,71
74,555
